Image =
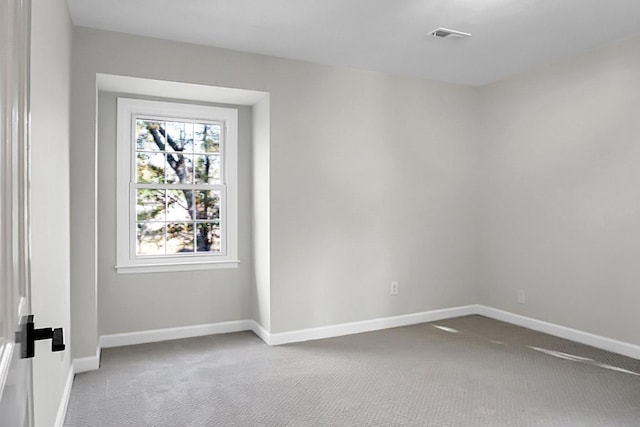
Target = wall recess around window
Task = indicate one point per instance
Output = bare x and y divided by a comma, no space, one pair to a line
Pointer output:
177,186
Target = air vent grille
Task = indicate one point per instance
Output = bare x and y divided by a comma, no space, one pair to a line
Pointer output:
446,33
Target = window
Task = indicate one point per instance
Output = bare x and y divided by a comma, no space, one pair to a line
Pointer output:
176,183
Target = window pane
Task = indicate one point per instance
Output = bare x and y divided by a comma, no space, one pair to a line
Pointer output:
150,205
179,169
150,238
150,168
207,205
207,169
179,237
179,205
208,235
180,137
207,138
144,138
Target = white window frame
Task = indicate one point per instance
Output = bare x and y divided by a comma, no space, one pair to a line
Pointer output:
128,110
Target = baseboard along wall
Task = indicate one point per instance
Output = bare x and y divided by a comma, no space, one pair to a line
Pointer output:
367,325
586,338
86,364
64,401
167,334
157,335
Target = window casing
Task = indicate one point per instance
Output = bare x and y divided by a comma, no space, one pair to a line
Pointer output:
176,186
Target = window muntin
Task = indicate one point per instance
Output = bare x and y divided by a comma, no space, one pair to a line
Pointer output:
181,183
179,190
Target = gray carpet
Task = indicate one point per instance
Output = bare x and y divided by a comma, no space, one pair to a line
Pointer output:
469,371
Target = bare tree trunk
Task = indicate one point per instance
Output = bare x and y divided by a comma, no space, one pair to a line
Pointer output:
179,165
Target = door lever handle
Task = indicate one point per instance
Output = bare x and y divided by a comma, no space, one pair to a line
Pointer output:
28,336
57,340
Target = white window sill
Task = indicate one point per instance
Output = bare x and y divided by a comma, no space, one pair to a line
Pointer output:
182,266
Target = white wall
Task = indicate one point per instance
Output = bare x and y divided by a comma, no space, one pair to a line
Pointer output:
139,302
370,181
561,216
261,209
50,87
463,195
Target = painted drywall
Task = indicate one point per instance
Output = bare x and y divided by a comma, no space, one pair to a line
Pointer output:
561,212
140,302
462,195
370,183
50,253
83,201
369,178
261,144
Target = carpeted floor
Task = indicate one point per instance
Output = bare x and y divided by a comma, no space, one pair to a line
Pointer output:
469,371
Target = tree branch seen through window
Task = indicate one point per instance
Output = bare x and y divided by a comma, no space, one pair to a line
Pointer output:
185,156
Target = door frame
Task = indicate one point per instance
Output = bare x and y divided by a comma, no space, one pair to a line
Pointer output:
15,298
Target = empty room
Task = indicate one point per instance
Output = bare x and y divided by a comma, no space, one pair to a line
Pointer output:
320,213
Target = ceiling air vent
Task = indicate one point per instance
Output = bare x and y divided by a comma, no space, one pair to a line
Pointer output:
445,33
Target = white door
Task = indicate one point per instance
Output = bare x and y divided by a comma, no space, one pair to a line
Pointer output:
15,372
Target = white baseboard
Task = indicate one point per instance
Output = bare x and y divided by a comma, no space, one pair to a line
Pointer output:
86,364
603,343
367,325
261,332
64,402
157,335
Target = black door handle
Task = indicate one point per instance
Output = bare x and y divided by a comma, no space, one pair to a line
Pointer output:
28,336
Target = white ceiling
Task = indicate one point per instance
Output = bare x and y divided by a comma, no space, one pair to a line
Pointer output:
509,36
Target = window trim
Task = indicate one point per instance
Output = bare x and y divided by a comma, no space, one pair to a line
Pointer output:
128,109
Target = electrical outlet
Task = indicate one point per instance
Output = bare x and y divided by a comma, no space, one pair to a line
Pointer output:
394,288
521,297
